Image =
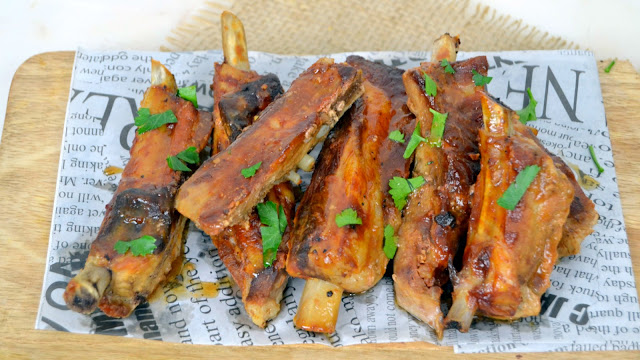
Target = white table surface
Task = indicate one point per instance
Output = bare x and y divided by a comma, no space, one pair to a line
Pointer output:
609,28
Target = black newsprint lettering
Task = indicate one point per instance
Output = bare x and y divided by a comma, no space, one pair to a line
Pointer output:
107,325
58,285
53,324
571,110
499,61
76,92
349,305
111,99
547,299
214,333
274,337
243,333
579,315
527,84
147,322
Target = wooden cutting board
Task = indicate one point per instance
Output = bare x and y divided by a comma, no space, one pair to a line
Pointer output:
29,154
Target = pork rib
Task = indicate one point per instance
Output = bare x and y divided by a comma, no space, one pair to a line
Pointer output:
218,196
436,217
143,204
510,254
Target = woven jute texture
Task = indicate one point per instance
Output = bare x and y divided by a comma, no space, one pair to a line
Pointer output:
325,26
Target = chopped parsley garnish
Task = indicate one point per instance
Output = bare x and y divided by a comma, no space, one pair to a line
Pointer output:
516,190
414,141
189,155
595,159
348,217
447,66
529,112
437,128
430,87
146,122
397,136
189,93
479,79
275,221
390,242
608,68
251,170
400,188
139,247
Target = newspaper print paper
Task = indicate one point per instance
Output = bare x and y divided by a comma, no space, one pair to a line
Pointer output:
592,303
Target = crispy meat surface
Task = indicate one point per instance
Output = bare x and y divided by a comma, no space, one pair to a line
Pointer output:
143,204
241,96
437,213
510,254
218,196
347,176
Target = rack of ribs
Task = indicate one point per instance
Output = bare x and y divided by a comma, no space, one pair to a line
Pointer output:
218,196
355,165
436,217
239,96
143,205
510,254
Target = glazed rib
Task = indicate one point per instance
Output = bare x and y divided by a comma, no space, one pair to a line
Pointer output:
510,254
349,175
239,96
389,80
218,196
143,204
437,213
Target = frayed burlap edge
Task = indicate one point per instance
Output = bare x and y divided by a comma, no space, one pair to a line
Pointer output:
325,26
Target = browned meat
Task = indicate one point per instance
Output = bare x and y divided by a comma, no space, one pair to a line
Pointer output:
349,175
437,214
242,95
142,205
218,196
389,80
510,253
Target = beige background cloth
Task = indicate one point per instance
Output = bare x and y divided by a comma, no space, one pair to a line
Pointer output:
326,26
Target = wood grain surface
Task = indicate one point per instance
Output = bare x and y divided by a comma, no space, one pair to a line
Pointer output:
29,154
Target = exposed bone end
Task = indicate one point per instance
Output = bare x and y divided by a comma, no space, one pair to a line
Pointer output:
294,177
319,306
307,163
86,289
496,119
461,314
234,43
445,47
161,76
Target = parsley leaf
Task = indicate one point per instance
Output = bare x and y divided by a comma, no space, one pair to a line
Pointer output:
251,170
139,247
430,87
400,188
189,155
390,242
189,93
447,66
437,128
146,122
516,190
274,218
479,79
348,217
528,113
397,136
414,141
608,68
595,159
175,164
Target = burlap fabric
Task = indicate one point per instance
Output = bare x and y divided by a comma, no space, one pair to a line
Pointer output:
325,26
